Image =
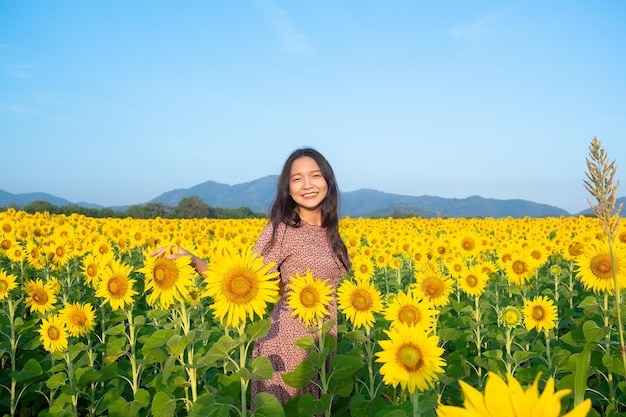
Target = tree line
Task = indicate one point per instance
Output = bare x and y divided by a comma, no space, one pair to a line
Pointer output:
187,208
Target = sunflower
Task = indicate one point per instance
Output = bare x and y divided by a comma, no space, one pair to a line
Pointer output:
7,283
40,297
309,297
433,285
169,279
520,268
116,286
411,358
53,334
363,267
34,256
91,269
473,280
511,400
240,285
410,310
79,318
540,313
510,317
359,302
595,269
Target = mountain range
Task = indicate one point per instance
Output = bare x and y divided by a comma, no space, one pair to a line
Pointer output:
258,195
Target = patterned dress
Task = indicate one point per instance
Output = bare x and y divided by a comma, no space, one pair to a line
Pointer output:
295,250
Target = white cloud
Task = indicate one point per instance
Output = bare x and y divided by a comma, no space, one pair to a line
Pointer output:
292,40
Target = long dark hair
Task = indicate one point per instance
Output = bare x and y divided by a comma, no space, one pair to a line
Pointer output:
283,208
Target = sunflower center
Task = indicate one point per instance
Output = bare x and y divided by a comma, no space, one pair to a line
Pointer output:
410,315
601,266
471,281
538,313
309,297
4,286
78,318
40,297
468,244
433,287
54,333
410,357
92,270
361,300
165,275
6,244
519,267
241,286
60,251
117,286
363,268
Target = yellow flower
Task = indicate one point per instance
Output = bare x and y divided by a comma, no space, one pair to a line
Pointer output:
169,279
309,297
240,285
433,285
116,286
502,400
411,358
363,267
510,316
79,318
473,280
359,302
595,269
40,297
540,313
520,268
410,310
7,283
53,334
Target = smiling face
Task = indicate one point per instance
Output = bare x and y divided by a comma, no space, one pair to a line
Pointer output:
308,188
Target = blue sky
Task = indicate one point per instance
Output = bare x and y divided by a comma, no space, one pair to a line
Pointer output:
116,102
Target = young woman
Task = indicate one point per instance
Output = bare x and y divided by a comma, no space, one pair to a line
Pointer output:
301,234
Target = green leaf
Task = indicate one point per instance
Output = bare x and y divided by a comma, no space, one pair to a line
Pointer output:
116,330
157,339
301,376
142,396
593,332
344,366
261,369
177,344
220,350
583,360
391,413
32,369
307,343
258,329
266,405
308,405
613,364
206,406
57,380
163,405
87,375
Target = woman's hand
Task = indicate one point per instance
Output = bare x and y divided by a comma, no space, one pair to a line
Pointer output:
176,251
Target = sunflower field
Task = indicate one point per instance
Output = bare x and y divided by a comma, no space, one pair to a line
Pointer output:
433,313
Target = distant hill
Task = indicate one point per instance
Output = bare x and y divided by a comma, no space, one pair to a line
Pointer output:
258,195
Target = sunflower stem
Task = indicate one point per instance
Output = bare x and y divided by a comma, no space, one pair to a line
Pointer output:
242,364
415,403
